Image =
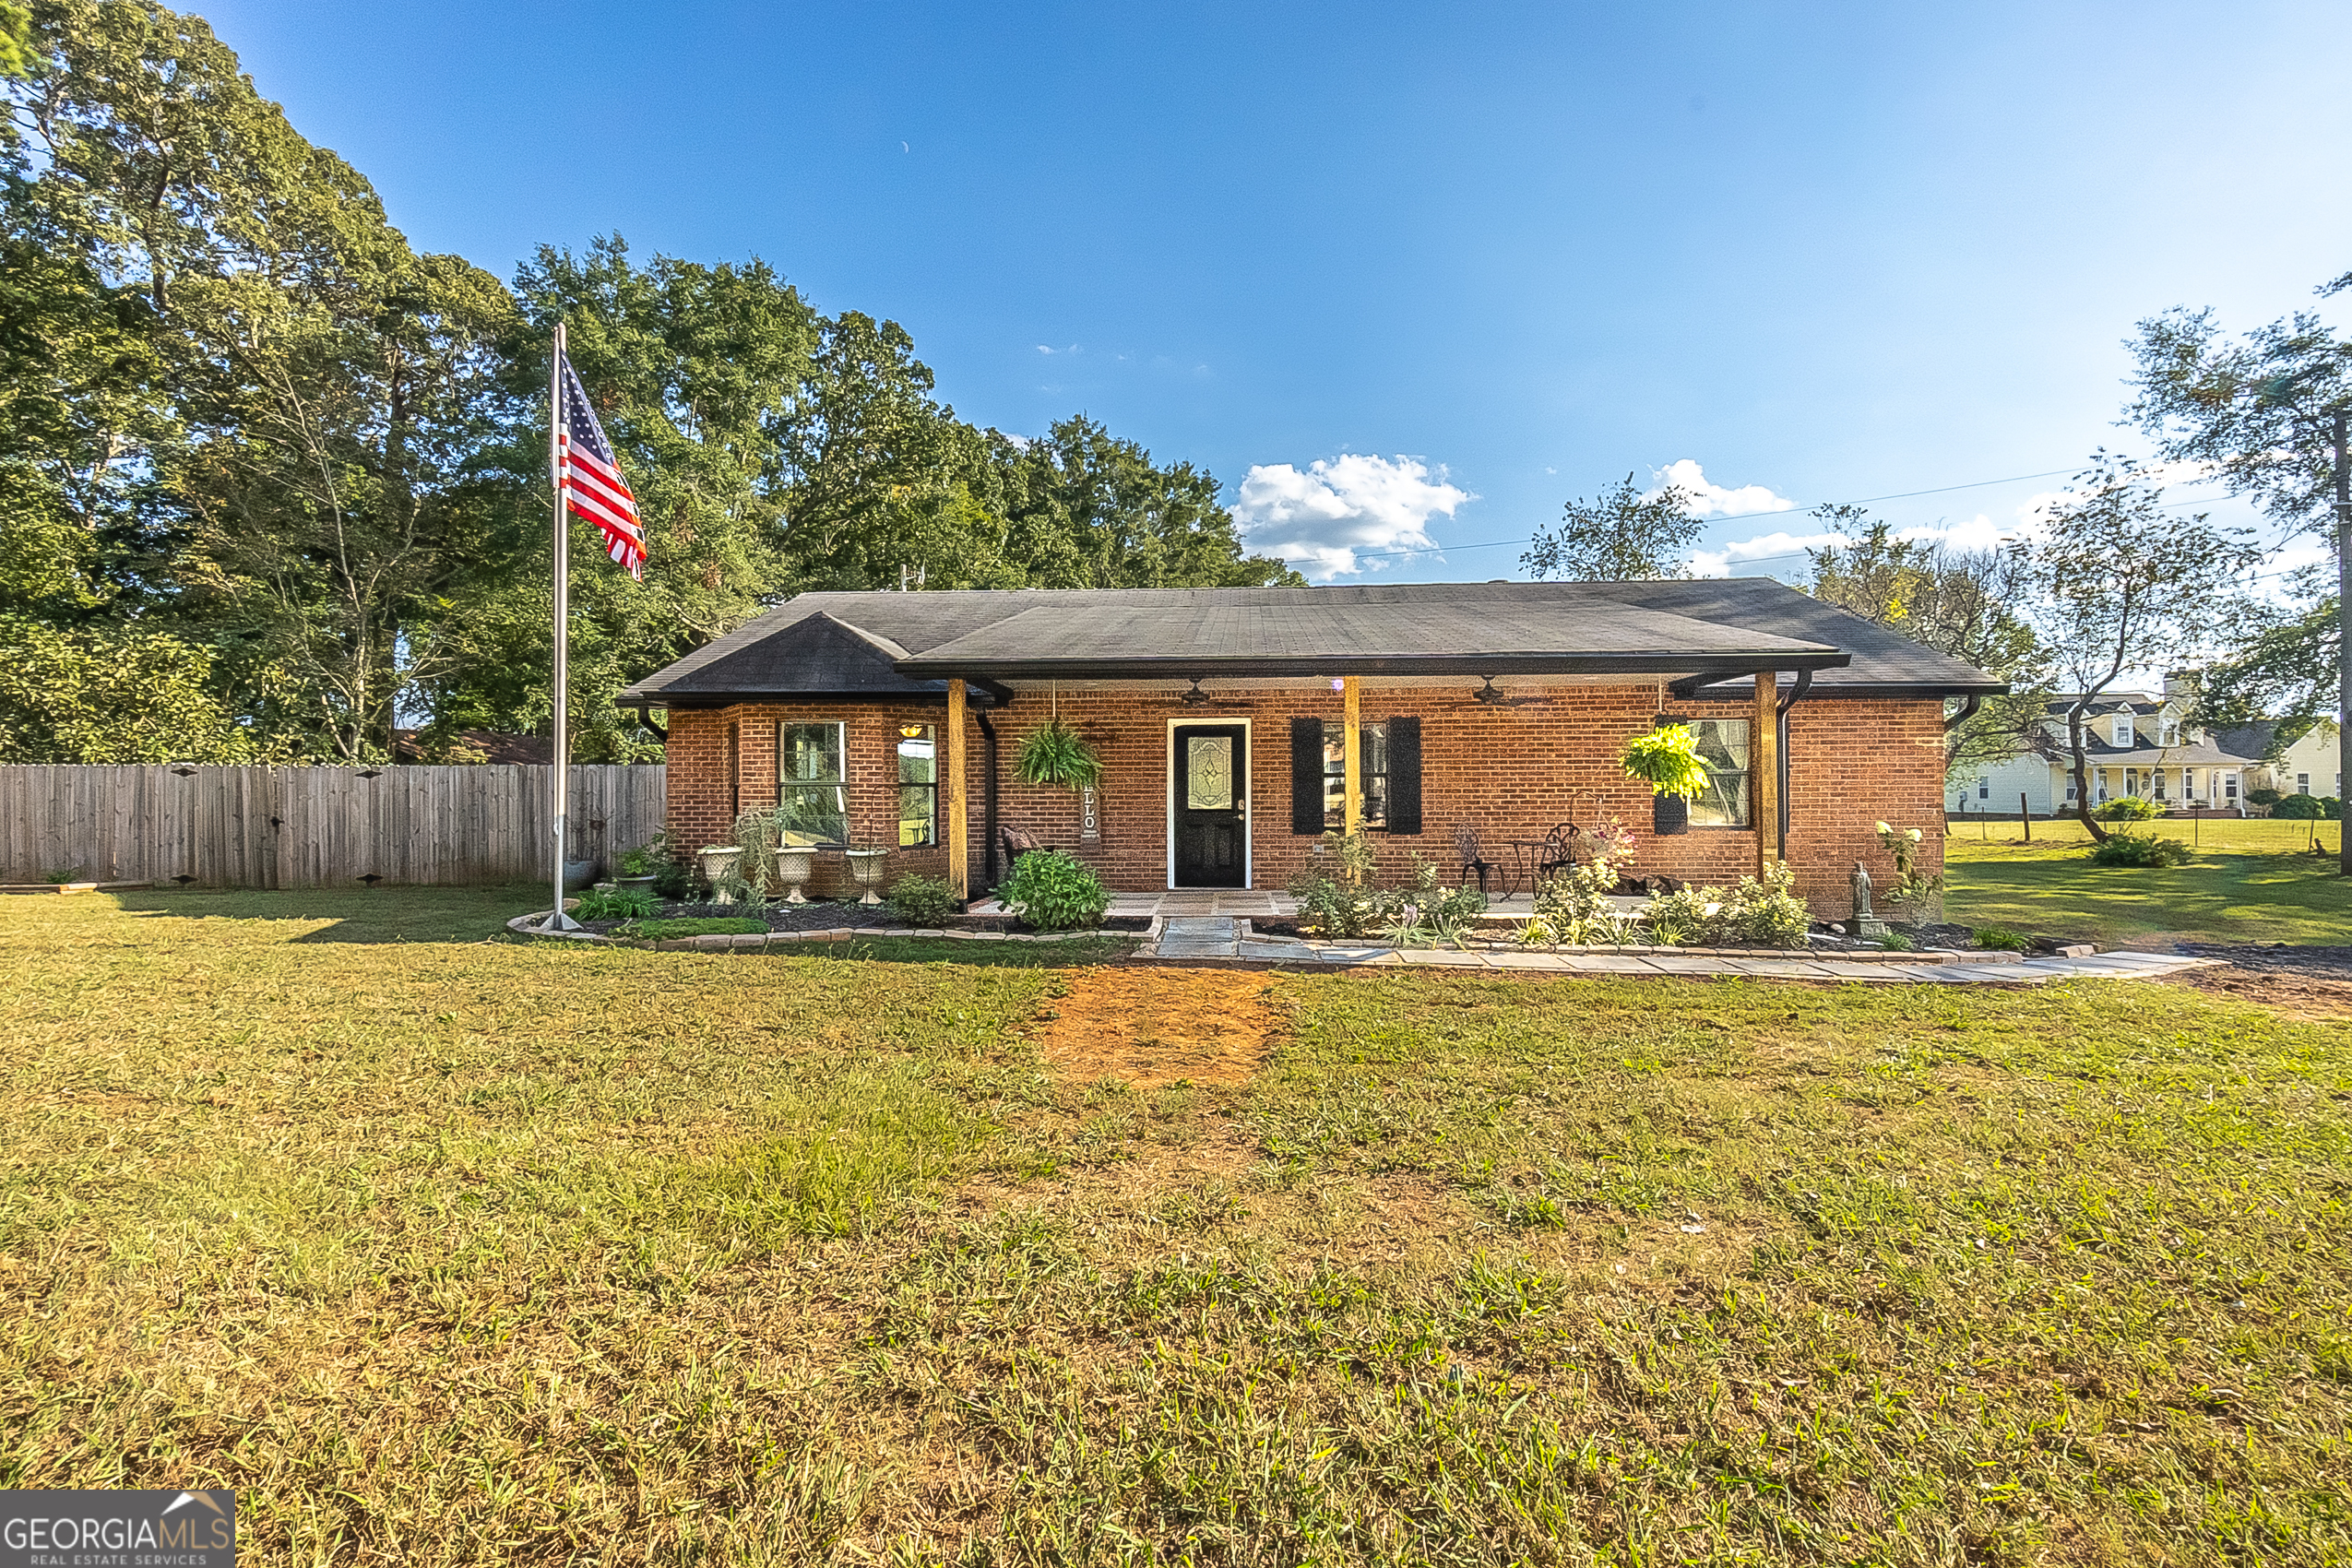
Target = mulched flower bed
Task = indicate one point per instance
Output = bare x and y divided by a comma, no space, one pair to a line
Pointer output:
2277,958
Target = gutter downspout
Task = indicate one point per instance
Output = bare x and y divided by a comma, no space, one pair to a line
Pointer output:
988,792
645,716
1969,707
1781,725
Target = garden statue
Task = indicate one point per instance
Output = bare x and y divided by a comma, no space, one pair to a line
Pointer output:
1866,924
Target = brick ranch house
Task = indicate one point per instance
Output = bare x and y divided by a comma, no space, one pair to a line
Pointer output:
1224,719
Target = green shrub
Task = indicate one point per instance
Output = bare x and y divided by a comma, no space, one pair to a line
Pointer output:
674,881
2127,808
1768,912
2001,939
923,900
2134,849
1054,890
2308,808
622,904
2265,796
1895,942
697,925
1337,896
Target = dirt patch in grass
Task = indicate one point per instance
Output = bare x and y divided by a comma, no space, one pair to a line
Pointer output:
2293,995
1150,1028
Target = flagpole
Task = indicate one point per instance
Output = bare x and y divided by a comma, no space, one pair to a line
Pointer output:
558,920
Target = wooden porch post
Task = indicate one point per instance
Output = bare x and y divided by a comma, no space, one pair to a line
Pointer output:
1352,779
960,850
1763,771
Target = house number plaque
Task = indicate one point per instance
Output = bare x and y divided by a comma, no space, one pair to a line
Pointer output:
1090,815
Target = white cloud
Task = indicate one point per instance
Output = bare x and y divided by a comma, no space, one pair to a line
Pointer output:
1711,500
1322,520
1779,549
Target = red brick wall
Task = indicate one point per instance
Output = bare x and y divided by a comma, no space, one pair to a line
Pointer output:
1512,771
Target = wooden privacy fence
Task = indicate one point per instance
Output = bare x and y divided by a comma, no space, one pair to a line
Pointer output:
314,826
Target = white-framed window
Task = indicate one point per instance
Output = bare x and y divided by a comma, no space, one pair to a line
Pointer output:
1984,788
2229,784
2169,733
2119,729
812,783
2070,787
2302,783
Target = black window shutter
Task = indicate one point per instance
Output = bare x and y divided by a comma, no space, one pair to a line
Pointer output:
1306,777
1404,776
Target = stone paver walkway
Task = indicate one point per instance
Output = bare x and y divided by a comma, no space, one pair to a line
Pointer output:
1190,938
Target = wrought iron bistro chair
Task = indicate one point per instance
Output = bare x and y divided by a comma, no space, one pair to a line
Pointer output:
1465,845
1562,847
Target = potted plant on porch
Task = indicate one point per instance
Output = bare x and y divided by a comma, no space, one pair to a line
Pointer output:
1667,759
865,865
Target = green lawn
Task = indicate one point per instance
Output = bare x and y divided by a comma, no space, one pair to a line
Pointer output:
2250,882
446,1248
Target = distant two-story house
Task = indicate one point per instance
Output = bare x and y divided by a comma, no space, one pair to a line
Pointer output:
2141,744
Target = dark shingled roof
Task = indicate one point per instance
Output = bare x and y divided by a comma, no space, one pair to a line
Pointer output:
816,655
1726,627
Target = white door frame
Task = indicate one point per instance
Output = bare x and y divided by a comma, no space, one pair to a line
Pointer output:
1249,797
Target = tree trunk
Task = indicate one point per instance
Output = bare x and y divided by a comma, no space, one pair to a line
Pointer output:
2083,778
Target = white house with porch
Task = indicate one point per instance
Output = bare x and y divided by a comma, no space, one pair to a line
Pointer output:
2135,743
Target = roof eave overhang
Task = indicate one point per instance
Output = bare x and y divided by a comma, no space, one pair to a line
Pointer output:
987,690
1717,665
1697,686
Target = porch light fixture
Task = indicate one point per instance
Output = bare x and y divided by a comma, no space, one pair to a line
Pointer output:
910,731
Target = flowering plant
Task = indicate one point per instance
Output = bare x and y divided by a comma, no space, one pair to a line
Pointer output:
1920,899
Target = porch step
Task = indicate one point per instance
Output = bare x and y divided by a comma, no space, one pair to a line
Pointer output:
1198,936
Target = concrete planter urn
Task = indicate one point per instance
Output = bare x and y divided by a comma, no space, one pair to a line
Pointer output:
578,876
866,866
793,867
642,883
718,860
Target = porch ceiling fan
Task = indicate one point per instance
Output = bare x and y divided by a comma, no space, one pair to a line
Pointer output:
1196,698
1494,697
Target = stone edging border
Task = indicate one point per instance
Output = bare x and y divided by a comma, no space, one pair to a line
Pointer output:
526,925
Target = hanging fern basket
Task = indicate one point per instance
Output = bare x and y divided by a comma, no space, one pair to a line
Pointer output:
1667,759
1056,753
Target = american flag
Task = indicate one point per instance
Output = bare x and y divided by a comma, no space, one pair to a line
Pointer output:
593,487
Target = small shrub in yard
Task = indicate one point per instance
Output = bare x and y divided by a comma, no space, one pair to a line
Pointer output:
623,904
1768,913
2265,796
674,881
2307,808
2001,939
1895,942
1054,890
923,900
2127,808
2133,850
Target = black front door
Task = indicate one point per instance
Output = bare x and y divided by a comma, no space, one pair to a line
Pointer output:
1210,780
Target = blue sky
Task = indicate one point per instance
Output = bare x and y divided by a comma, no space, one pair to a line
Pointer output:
1471,260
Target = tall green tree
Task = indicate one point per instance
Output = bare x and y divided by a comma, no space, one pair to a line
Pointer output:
328,389
1085,508
1621,535
2265,412
1966,603
2120,584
